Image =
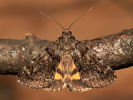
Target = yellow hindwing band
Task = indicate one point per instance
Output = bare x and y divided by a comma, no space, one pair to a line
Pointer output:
75,76
58,76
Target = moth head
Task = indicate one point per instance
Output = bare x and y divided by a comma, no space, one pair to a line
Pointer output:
66,32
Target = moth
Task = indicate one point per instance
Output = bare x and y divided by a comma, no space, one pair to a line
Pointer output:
66,63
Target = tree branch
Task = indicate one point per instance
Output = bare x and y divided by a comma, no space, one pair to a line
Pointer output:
15,54
115,50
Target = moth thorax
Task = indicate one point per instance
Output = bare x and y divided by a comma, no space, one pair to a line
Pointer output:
66,58
68,42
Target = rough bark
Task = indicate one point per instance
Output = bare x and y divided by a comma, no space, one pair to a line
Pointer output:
115,50
15,54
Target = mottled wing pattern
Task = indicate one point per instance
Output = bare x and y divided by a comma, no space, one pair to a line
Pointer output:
93,73
97,75
40,73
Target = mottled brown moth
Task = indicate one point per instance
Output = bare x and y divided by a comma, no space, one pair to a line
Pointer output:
66,63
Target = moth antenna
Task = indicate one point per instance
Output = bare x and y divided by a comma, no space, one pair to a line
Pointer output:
80,17
52,19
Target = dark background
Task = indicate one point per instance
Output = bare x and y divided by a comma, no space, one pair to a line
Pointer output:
18,17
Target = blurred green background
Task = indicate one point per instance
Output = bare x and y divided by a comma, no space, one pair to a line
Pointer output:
18,17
